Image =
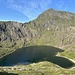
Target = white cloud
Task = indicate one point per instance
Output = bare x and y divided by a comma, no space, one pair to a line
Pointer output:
45,3
60,4
65,8
30,8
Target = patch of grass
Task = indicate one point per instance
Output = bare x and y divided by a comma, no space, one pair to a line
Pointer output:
41,68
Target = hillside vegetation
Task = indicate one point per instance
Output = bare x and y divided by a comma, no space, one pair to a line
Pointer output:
51,28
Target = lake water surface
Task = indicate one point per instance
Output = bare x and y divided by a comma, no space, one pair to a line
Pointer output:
36,54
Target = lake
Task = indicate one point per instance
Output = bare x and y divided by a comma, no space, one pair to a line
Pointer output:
33,54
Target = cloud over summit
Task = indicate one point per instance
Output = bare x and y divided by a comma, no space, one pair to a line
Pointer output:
30,8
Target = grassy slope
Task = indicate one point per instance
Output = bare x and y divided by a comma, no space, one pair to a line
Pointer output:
41,68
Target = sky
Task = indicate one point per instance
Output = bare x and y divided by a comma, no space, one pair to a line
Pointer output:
27,10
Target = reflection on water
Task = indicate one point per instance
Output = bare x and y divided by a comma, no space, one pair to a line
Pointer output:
36,54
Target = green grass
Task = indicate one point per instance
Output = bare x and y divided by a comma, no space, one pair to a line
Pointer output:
42,68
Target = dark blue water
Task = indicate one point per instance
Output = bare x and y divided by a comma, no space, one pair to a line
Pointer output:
36,54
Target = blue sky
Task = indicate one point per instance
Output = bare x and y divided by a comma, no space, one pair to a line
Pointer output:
26,10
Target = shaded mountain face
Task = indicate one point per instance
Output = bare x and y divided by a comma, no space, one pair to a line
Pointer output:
55,28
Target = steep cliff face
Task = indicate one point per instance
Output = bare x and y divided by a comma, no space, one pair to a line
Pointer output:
12,31
55,28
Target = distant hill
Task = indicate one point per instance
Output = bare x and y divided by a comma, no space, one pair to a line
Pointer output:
51,28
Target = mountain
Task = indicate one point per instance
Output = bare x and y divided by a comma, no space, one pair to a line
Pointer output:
52,28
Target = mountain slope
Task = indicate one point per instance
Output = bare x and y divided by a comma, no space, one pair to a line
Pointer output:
52,28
